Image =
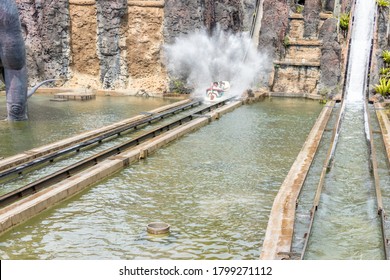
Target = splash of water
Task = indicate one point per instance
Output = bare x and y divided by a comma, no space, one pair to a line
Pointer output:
200,58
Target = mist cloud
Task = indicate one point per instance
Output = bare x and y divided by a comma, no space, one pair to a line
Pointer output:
201,59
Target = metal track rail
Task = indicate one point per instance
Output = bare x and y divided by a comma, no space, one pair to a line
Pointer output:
93,160
20,168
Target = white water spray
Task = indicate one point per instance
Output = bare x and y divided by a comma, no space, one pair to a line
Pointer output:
201,59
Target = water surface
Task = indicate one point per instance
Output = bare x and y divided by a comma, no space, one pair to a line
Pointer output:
215,187
50,121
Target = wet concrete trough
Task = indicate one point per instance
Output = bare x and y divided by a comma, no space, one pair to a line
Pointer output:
279,234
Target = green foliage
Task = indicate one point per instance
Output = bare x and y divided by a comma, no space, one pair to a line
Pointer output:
179,87
383,3
386,56
344,21
384,73
2,86
286,41
383,88
299,9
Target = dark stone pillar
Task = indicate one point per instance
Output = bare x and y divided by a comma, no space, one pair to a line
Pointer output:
273,27
330,58
329,5
110,17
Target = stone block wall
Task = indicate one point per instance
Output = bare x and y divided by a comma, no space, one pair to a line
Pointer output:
116,44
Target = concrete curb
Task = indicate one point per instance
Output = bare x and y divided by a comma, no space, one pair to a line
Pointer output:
278,237
384,124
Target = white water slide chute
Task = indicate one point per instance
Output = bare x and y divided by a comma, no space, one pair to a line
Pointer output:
360,45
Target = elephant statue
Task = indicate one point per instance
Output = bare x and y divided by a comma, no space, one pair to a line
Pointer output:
13,69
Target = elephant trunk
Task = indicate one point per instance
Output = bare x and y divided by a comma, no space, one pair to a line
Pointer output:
34,89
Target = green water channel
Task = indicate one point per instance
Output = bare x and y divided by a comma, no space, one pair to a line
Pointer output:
50,121
215,187
347,225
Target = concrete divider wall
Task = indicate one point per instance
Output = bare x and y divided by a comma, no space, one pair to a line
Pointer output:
384,124
279,233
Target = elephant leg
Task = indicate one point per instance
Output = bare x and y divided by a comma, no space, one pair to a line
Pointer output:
13,60
16,90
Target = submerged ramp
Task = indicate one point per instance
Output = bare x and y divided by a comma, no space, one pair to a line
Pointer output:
278,237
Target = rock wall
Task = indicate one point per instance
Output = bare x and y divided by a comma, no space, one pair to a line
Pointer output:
117,44
46,26
184,16
273,27
144,41
331,59
310,60
85,61
311,15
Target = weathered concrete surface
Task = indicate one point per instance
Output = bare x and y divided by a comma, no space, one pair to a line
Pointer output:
28,207
111,16
298,71
384,123
279,233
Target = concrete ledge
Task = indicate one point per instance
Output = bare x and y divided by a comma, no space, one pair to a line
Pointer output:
295,95
154,4
279,233
305,42
298,63
297,16
28,207
385,126
82,2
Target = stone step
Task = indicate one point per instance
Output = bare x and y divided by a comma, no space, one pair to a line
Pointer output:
298,16
304,42
297,63
303,53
